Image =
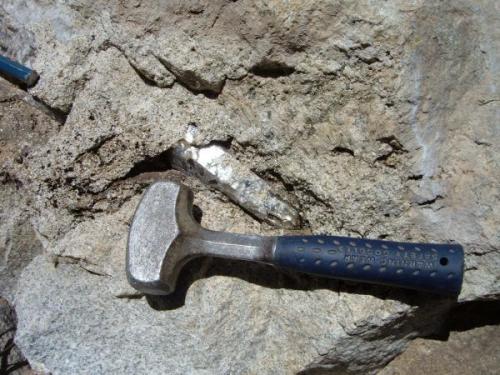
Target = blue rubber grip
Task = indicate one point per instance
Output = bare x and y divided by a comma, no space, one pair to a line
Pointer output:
436,268
17,72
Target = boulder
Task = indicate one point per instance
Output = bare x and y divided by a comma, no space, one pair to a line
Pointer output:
374,120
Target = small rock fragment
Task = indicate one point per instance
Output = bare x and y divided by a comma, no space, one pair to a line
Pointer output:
216,167
144,62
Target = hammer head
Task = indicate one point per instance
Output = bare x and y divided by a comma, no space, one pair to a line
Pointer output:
155,253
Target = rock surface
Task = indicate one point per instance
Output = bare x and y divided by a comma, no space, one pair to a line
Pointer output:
467,344
468,353
23,128
12,360
373,120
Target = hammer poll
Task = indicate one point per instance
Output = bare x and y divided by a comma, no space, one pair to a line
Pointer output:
164,236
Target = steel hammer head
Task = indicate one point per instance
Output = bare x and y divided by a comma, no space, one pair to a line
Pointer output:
155,251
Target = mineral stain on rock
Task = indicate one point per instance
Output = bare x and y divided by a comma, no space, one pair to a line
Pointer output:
357,113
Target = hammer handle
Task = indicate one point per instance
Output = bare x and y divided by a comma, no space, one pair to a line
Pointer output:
436,268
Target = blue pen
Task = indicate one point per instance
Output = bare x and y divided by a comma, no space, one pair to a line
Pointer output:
17,72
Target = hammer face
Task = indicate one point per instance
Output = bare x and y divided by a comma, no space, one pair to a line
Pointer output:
164,236
152,236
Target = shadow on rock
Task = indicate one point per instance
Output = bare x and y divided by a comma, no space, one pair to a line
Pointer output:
467,316
270,277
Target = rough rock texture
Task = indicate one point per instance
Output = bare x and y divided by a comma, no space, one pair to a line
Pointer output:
468,353
377,119
470,345
23,128
11,359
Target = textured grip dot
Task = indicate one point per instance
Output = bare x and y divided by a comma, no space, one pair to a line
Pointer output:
436,268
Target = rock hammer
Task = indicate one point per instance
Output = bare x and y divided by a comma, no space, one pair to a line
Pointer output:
164,236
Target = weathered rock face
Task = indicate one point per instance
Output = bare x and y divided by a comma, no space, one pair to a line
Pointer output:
463,348
11,358
23,129
376,120
476,350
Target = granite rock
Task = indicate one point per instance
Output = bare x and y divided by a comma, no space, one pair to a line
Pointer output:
374,120
12,360
23,128
467,346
